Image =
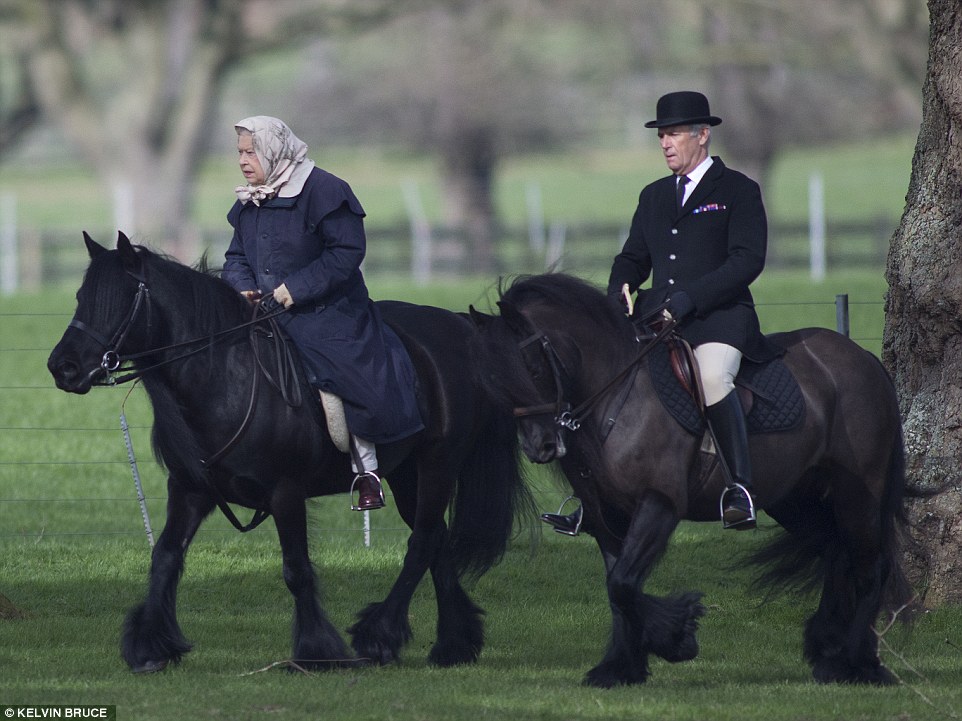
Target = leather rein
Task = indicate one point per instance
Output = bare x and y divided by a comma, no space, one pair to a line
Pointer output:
285,383
564,415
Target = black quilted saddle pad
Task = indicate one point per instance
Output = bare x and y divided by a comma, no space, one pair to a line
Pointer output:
777,400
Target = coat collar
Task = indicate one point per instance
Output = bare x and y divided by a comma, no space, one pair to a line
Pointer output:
705,186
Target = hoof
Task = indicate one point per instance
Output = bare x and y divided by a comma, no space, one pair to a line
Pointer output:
150,667
453,654
834,670
606,676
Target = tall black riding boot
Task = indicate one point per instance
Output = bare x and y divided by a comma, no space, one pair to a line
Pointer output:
727,423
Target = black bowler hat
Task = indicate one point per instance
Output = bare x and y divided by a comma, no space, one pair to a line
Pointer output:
682,108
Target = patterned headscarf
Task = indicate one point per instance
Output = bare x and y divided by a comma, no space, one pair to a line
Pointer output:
282,155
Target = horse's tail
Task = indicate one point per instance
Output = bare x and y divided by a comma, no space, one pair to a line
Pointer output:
490,500
795,560
897,591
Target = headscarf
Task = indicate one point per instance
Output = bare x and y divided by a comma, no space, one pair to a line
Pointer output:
282,155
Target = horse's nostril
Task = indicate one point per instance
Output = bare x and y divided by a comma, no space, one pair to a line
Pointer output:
63,369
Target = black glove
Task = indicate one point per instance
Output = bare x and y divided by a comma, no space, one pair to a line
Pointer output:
619,301
680,305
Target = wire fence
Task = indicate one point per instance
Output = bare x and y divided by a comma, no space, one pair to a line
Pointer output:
65,471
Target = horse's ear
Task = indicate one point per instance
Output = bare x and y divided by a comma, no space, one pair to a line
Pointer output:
133,263
511,315
93,247
479,319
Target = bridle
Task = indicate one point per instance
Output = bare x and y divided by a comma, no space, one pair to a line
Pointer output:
566,416
111,359
286,383
560,408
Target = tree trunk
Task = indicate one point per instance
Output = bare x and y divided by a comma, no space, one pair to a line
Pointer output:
139,125
748,93
923,334
467,170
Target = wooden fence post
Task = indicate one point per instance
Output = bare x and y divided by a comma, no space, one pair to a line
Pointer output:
841,314
9,257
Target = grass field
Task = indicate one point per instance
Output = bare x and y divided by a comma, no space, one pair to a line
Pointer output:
74,558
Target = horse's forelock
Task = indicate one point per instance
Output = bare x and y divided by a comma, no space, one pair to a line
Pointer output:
104,289
500,368
522,303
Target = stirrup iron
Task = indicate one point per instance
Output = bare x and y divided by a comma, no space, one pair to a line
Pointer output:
355,504
748,522
555,520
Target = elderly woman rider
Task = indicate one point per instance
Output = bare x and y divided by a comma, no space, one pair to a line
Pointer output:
299,236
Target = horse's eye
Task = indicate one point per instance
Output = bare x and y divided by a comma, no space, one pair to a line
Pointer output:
535,371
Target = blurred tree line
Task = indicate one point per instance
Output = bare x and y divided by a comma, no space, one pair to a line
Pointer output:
137,87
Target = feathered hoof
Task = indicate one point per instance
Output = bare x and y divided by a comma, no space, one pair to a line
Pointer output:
836,670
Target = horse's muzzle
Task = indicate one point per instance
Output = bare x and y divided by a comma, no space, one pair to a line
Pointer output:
69,375
542,445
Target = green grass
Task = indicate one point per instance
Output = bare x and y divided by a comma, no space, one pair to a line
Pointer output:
75,558
546,625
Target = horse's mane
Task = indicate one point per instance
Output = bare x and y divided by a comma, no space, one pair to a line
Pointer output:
570,300
214,304
571,297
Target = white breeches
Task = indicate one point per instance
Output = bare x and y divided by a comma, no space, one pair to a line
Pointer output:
717,366
367,452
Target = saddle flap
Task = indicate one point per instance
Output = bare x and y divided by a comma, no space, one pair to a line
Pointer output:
769,393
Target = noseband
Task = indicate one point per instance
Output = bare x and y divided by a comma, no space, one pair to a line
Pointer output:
112,359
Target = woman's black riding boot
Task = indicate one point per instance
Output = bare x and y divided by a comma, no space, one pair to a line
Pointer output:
727,423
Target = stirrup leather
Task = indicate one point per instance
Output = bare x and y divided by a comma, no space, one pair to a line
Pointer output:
734,488
578,515
355,504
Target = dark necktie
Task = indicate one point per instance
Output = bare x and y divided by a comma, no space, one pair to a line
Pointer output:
680,192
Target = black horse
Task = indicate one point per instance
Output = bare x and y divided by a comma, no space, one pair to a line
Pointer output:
228,428
563,355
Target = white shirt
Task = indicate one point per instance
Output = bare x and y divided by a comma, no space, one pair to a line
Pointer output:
695,176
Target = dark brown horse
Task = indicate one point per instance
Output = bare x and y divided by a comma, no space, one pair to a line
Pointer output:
570,364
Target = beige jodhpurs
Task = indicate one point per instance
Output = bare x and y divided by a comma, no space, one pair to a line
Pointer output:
717,366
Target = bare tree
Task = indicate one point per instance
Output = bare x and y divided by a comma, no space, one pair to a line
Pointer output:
923,332
133,83
472,82
809,72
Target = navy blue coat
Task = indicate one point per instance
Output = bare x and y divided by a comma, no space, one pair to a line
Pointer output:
713,249
314,243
